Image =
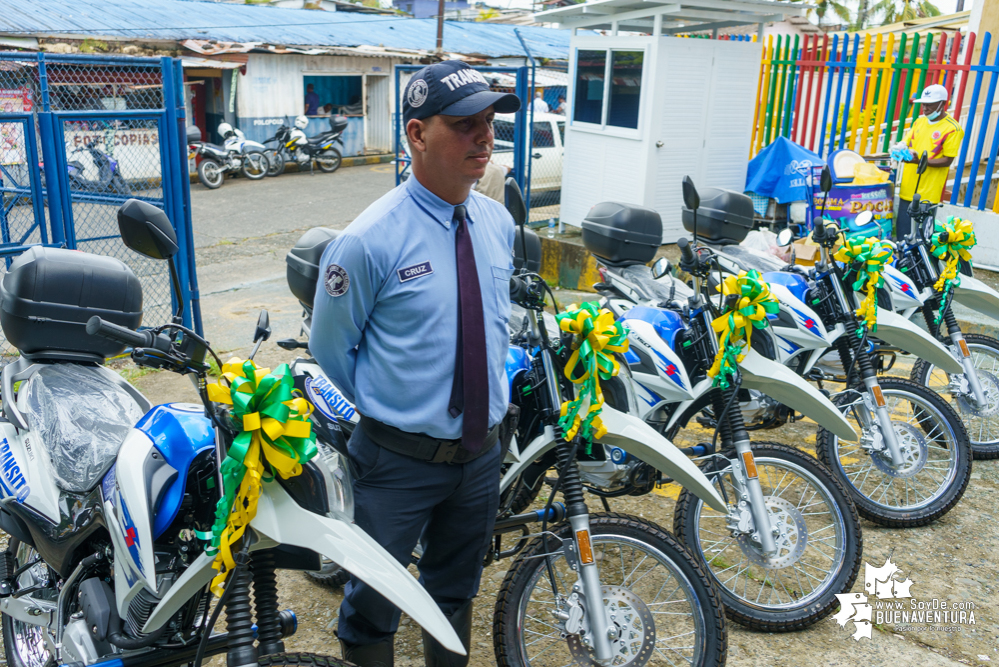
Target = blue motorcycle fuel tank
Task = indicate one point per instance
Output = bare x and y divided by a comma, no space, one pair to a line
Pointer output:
517,361
179,431
666,323
795,284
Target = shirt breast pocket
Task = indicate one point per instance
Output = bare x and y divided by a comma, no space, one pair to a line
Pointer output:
501,287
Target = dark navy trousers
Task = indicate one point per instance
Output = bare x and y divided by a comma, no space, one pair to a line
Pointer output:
399,501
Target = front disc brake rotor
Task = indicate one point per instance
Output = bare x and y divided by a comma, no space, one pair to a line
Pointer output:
791,538
990,386
913,447
636,631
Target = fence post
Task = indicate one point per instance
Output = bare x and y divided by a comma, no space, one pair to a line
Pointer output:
519,121
825,107
772,92
850,71
185,199
969,49
821,58
979,143
792,88
168,174
905,88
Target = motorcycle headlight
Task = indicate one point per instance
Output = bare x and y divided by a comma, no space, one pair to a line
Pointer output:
339,486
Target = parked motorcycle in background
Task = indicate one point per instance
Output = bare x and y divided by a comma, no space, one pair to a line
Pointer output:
108,176
238,154
294,146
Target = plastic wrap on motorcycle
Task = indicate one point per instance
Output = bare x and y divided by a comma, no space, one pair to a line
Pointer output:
779,383
978,296
901,333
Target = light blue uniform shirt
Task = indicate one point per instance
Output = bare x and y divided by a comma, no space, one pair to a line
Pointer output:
385,322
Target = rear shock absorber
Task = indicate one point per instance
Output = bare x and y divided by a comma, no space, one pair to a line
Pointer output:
265,604
239,621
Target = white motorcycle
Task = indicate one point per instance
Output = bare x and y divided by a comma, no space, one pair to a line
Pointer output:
110,502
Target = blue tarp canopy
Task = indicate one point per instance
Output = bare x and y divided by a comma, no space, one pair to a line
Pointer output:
779,171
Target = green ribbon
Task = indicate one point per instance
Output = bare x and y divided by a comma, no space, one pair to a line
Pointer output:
597,337
736,323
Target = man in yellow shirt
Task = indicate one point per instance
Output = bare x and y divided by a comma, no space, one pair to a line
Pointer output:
937,133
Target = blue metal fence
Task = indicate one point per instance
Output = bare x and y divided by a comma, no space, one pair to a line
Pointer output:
78,136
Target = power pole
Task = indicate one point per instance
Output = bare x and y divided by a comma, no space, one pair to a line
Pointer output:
440,27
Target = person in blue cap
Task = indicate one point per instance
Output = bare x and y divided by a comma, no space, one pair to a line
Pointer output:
410,322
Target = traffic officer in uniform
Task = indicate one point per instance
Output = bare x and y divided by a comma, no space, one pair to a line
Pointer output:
410,322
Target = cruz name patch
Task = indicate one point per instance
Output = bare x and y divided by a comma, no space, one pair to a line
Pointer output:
337,281
415,271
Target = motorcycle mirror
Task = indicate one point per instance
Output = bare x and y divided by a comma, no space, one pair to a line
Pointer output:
825,181
864,218
526,245
263,331
924,161
514,200
661,268
691,199
146,229
785,237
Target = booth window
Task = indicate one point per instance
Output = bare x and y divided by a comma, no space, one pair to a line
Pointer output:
622,96
625,88
591,68
337,95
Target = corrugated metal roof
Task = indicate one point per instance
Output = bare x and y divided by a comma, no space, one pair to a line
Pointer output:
178,20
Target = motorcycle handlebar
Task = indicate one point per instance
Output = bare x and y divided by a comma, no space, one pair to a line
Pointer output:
518,289
686,253
98,327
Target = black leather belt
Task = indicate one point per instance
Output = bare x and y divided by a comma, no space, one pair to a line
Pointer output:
423,447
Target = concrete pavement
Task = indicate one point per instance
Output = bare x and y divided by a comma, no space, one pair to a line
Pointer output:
243,230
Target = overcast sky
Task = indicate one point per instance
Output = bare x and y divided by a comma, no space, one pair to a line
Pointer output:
945,6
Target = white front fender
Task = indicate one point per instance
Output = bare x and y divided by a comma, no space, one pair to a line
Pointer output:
779,383
641,441
281,520
901,333
978,296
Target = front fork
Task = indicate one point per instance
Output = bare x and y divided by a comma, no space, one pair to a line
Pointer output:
733,429
601,630
849,340
955,333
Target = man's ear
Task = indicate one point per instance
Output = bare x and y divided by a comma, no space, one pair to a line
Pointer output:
416,131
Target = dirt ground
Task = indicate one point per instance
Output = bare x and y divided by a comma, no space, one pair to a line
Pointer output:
953,560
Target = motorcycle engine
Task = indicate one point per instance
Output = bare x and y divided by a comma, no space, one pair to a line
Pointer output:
758,409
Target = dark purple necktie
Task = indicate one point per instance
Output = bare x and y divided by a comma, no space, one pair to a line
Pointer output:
470,390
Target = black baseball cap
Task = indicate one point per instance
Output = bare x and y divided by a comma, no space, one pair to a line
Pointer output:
452,88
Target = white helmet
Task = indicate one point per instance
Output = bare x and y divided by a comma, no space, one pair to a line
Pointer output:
301,122
225,129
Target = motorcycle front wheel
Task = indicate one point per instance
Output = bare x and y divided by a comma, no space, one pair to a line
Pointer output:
329,160
666,610
211,174
982,421
275,162
819,547
24,644
936,453
255,165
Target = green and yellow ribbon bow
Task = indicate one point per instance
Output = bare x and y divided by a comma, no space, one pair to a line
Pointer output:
276,430
735,325
873,254
960,241
597,337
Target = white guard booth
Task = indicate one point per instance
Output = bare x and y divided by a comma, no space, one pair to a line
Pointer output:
647,110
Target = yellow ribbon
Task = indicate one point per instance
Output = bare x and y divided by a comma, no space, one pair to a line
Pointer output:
275,430
735,325
872,254
597,337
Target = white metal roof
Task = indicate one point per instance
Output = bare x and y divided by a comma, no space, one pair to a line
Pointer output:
685,16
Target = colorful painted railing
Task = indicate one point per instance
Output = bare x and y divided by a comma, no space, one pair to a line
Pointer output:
863,88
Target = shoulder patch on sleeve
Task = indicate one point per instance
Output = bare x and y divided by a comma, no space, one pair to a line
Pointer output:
336,280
